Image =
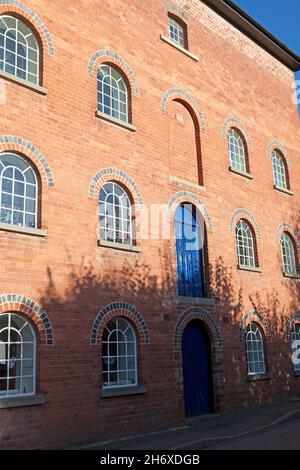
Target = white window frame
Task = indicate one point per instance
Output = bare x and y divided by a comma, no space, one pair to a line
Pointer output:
108,358
177,32
279,170
295,336
289,260
108,215
20,30
112,93
237,151
245,244
15,394
18,196
254,343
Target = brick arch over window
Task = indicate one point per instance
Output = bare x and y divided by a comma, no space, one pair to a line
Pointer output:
196,313
234,123
244,214
11,143
187,196
103,55
119,309
275,145
15,6
22,304
255,317
114,174
177,10
295,319
178,94
284,227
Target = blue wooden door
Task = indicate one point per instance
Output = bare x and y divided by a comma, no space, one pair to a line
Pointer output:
189,253
198,388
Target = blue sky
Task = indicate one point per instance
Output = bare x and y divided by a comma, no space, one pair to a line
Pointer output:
280,17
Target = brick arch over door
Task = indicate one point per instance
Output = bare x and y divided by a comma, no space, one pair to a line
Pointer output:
119,309
188,196
22,304
12,143
181,95
104,55
196,313
15,6
114,174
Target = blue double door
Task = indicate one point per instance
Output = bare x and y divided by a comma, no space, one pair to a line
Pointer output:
197,371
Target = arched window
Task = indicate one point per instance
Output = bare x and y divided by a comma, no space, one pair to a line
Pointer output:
112,93
19,49
279,170
295,336
18,191
289,259
119,356
190,257
255,349
17,356
177,31
245,244
115,214
237,151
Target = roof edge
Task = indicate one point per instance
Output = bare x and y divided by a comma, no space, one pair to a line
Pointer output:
255,31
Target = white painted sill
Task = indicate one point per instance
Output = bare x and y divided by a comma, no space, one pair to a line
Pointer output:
291,276
119,246
282,190
123,391
20,81
17,402
116,121
255,377
37,232
241,173
249,268
179,48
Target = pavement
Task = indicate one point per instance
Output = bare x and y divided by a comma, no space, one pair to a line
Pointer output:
213,431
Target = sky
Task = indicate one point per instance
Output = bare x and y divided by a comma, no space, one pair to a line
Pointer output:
280,17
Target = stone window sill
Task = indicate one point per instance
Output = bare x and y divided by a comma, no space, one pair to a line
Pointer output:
282,190
22,401
37,232
124,391
119,246
22,82
175,179
241,173
249,268
296,373
255,377
116,121
180,299
291,276
180,48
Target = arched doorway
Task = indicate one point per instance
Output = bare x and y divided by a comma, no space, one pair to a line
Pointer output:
197,370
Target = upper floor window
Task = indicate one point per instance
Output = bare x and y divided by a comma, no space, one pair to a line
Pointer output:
289,258
177,31
17,356
119,356
18,191
255,349
279,170
115,214
19,49
245,243
112,93
295,336
237,151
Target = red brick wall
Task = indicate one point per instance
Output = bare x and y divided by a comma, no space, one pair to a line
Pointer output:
73,279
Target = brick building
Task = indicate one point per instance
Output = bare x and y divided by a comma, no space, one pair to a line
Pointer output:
112,111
